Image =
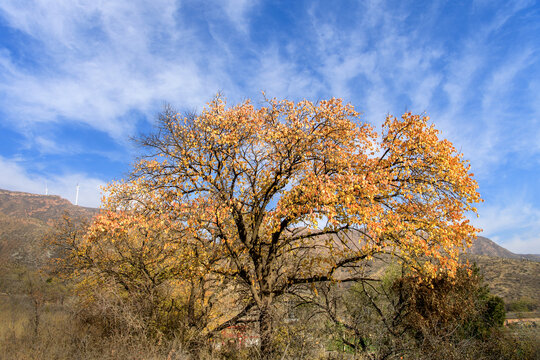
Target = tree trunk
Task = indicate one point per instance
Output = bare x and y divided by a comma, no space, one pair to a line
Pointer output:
265,331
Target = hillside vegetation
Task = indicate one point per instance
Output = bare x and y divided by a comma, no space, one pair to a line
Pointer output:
24,220
511,279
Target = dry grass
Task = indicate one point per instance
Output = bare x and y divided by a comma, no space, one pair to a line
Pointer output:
62,334
60,337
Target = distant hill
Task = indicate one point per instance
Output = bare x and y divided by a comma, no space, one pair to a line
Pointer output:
508,275
46,208
510,278
25,218
485,247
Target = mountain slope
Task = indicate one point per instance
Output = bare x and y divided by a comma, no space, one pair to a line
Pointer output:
46,208
511,279
508,275
483,246
25,218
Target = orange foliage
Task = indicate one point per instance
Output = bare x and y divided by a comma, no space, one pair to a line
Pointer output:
263,196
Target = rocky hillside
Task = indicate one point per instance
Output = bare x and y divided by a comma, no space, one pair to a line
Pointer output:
483,246
508,275
25,218
45,208
511,279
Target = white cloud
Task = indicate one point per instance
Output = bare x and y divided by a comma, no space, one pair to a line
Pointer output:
279,77
514,223
106,59
521,244
381,65
237,11
16,178
48,146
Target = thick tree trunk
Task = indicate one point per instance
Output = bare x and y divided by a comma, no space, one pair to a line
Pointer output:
265,331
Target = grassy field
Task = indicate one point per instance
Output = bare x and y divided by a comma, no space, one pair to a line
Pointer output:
52,329
57,336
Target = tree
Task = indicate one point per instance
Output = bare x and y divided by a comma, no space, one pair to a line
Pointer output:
135,273
449,317
403,314
283,196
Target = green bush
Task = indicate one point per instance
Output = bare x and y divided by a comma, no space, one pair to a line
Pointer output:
524,304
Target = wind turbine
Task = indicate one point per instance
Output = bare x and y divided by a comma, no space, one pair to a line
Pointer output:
46,188
77,196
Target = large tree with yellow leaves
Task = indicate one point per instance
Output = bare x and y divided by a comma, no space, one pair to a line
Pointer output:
274,198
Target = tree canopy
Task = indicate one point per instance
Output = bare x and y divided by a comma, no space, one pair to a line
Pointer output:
273,198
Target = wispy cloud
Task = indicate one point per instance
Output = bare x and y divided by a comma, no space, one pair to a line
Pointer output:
100,61
280,77
237,11
482,110
15,177
514,224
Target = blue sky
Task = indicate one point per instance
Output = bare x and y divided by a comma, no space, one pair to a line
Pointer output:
78,78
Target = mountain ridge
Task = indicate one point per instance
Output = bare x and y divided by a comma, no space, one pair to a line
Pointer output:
24,220
42,207
486,247
44,210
